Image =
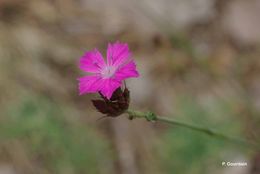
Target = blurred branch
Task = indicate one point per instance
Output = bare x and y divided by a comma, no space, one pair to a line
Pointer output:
150,116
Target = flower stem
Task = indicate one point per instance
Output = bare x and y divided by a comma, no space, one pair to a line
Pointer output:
150,116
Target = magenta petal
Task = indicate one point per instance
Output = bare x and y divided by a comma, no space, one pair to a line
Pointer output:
108,76
90,84
117,54
127,71
92,61
109,86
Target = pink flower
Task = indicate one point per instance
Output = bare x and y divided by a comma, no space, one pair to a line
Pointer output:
106,76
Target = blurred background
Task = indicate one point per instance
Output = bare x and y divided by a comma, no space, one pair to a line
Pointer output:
198,60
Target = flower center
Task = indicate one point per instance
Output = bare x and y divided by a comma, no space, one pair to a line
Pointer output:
108,72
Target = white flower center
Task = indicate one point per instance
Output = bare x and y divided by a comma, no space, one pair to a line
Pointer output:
108,72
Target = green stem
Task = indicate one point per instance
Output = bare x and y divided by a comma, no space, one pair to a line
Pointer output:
149,116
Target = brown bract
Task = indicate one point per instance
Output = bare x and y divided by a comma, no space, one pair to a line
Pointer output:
114,107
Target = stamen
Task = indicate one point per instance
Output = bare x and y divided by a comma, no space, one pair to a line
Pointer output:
108,71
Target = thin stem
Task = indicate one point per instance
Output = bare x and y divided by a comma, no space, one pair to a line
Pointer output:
149,116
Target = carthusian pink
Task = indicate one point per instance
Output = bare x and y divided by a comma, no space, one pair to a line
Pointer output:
106,75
